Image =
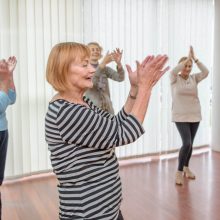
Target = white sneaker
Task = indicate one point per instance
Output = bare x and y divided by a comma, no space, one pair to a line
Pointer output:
179,178
189,174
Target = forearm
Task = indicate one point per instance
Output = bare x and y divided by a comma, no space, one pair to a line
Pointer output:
140,105
202,67
178,68
131,99
4,86
119,67
174,72
102,65
121,72
11,83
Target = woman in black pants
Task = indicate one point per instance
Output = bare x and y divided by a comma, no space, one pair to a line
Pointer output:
186,109
7,97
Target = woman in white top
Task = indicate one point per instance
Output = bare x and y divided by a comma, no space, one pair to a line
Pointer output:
186,109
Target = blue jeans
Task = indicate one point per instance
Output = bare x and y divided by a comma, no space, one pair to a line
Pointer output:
3,153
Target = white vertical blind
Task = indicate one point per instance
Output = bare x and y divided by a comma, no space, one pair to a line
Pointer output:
149,27
29,29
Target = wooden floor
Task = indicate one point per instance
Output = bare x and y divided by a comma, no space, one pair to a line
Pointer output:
149,192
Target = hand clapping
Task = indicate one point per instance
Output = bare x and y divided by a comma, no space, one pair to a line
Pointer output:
148,72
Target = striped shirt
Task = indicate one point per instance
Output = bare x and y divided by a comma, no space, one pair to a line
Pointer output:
82,141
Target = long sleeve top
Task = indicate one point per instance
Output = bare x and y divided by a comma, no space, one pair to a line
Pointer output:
6,99
100,94
81,141
185,101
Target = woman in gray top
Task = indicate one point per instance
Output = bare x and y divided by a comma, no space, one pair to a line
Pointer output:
100,94
186,109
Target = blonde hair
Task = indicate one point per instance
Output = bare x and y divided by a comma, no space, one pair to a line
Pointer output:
60,58
96,44
184,58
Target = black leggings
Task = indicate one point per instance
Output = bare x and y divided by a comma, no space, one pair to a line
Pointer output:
187,132
3,153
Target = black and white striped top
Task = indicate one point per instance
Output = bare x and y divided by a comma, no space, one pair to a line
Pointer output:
82,141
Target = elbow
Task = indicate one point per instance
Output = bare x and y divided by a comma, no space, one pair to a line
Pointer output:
13,102
206,73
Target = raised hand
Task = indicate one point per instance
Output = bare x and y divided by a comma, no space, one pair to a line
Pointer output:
192,53
132,75
108,58
117,55
12,61
4,71
151,70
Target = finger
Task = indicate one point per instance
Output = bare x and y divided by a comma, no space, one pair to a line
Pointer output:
128,69
160,74
160,61
138,65
164,71
14,60
146,60
153,61
157,64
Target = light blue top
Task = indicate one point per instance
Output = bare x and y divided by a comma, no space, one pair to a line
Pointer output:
5,101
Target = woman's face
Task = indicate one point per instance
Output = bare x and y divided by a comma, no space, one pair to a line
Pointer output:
95,52
187,69
80,75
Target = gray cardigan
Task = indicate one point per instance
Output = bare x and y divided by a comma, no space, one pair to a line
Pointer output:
100,94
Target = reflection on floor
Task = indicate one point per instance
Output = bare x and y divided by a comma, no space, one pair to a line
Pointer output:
149,191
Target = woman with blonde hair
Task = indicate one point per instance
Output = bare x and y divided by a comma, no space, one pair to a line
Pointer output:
99,94
186,109
82,137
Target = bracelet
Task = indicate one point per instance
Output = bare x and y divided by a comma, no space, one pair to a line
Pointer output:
196,61
132,97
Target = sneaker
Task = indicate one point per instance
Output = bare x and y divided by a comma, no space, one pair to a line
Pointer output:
179,178
189,174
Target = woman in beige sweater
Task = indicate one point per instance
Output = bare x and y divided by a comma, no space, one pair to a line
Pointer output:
186,109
